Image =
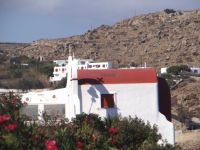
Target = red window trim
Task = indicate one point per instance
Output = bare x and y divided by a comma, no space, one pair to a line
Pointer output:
107,101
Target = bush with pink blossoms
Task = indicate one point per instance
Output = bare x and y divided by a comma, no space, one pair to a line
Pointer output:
85,132
51,145
4,117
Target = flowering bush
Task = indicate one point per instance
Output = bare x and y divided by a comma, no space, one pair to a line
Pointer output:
51,145
129,133
85,132
10,127
113,131
4,117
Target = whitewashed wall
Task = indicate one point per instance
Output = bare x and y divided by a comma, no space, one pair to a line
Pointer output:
130,99
50,97
139,100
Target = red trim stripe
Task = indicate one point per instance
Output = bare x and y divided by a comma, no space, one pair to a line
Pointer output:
117,76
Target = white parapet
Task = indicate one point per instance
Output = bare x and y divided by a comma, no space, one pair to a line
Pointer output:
166,128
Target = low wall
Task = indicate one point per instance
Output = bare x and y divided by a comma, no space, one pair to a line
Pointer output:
18,91
188,138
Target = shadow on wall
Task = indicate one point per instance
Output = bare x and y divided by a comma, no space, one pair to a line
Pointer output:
96,85
164,98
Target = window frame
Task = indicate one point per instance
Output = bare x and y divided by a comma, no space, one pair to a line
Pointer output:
114,100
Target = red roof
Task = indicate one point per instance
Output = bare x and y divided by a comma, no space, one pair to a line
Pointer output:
117,76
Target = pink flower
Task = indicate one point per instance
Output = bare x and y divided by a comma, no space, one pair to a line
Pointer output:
79,145
113,131
4,118
11,126
87,119
14,101
51,145
94,138
34,137
115,143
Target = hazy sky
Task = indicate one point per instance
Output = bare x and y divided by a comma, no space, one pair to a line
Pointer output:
28,20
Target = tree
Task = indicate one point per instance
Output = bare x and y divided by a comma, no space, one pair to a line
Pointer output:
169,11
175,70
61,84
46,68
27,84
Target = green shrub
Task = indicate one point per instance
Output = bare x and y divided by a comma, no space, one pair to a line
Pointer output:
61,84
92,119
169,78
10,103
133,133
175,70
166,76
90,132
170,82
46,68
37,84
16,71
15,133
27,84
185,68
66,135
169,11
3,58
19,60
42,67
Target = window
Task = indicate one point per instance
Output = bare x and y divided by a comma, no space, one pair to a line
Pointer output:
82,62
195,71
30,111
107,101
103,66
56,70
55,110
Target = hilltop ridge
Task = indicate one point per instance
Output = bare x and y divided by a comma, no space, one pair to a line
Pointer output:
159,39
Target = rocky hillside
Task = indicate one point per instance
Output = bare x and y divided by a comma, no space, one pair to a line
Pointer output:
160,39
8,50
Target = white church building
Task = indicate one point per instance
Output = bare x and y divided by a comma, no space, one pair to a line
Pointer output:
108,92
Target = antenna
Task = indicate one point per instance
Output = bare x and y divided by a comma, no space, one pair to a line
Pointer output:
135,12
70,49
145,64
91,27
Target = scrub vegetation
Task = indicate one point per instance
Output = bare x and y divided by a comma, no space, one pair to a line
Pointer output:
25,73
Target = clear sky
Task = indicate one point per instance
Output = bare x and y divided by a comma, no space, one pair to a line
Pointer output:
28,20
